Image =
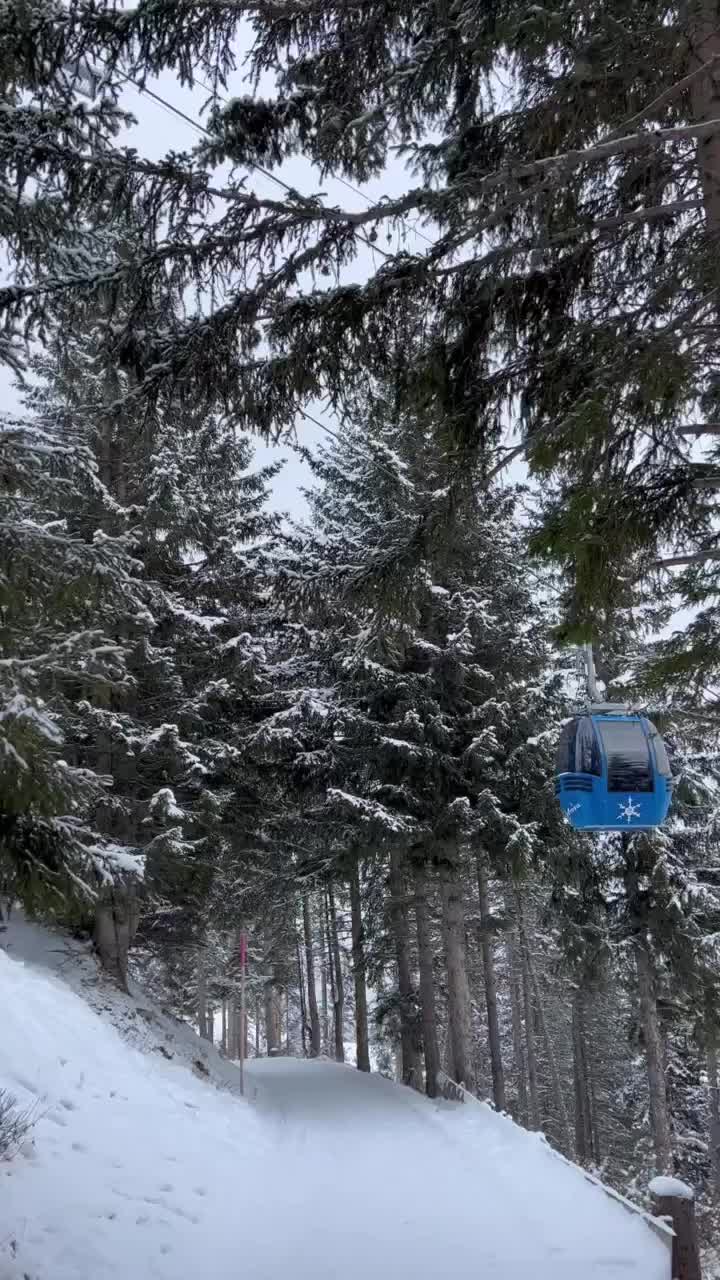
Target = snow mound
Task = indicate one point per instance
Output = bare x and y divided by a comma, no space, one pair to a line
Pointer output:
139,1168
663,1186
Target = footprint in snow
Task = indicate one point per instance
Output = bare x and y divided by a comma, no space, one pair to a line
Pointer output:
25,1084
67,1104
172,1208
200,1191
160,1203
79,1146
189,1217
124,1195
167,1186
56,1119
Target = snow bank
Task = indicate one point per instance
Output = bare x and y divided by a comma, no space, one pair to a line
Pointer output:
136,1165
142,1169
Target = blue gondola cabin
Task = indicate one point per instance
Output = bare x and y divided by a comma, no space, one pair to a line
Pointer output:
613,773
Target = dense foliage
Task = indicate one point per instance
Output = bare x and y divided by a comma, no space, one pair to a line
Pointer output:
336,734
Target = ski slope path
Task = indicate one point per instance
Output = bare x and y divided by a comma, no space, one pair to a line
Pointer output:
137,1168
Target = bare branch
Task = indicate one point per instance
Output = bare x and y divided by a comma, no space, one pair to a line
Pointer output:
505,462
699,557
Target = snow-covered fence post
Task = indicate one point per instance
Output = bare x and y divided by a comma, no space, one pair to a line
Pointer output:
675,1201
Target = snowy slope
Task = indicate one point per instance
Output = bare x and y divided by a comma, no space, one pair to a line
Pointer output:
140,1022
142,1170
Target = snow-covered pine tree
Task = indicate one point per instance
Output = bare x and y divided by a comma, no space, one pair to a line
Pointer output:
62,590
588,181
437,692
605,314
181,493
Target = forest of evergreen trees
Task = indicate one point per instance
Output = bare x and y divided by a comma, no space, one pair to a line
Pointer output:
336,732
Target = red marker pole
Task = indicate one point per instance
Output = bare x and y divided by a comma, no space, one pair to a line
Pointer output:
243,1033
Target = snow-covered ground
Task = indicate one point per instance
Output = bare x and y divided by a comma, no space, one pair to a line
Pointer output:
143,1167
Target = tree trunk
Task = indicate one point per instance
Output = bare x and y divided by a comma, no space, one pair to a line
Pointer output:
702,29
517,1036
410,1040
258,1016
594,1126
231,1028
325,1019
654,1058
459,1023
116,920
273,1030
714,1099
312,993
558,1091
427,981
304,1028
362,1035
336,975
488,959
659,1113
583,1118
224,1027
533,1108
202,1018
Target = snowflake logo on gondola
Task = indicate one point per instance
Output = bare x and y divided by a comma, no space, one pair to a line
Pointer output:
629,811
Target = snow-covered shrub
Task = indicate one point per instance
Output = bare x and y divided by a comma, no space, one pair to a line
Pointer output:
15,1124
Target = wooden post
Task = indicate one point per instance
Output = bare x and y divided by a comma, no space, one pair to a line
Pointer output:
676,1202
